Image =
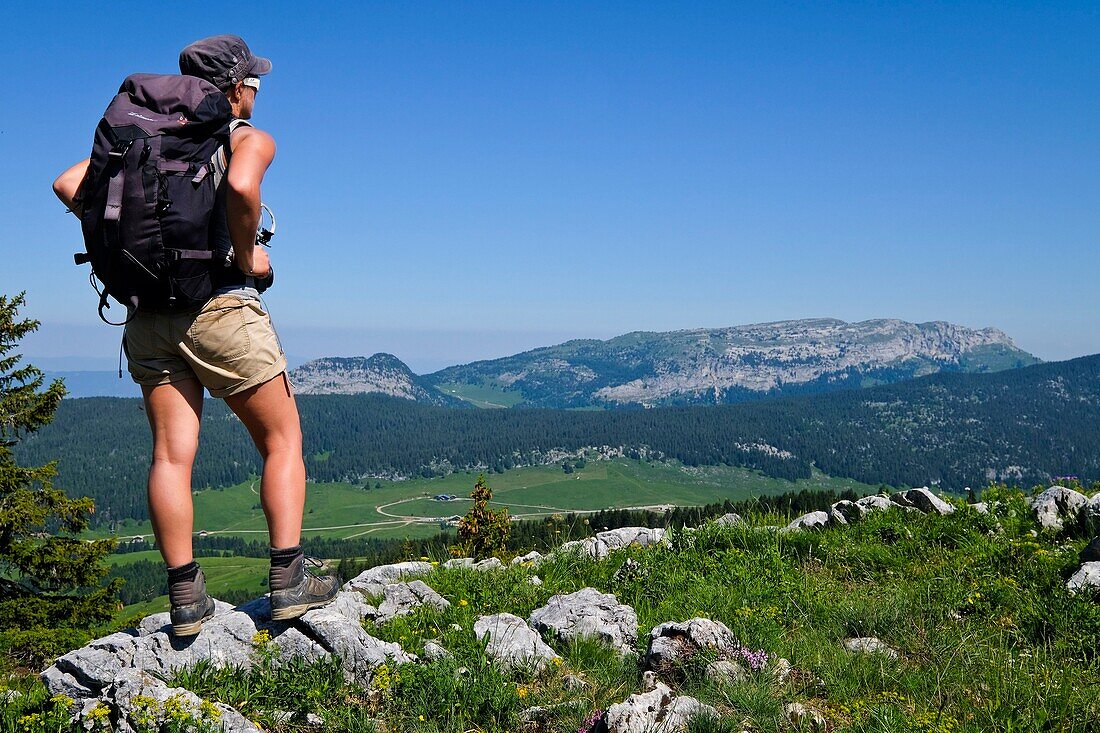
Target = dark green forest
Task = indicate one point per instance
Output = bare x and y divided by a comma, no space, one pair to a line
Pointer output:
1024,426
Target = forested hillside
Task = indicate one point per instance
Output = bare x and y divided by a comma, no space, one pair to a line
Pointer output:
1026,426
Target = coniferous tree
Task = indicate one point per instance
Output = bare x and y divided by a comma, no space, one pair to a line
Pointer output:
50,593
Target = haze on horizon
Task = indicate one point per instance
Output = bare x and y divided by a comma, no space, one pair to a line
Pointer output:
460,183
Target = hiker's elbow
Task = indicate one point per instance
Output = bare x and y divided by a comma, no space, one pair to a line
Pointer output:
67,184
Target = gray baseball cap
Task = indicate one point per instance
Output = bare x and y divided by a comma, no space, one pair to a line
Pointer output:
222,60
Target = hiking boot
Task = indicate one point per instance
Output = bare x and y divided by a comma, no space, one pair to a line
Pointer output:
191,605
295,590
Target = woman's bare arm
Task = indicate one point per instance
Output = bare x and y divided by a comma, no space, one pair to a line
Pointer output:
253,151
68,184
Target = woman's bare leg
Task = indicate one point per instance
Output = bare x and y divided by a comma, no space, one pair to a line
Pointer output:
271,416
175,412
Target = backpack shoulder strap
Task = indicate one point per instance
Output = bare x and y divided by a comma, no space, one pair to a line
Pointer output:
220,161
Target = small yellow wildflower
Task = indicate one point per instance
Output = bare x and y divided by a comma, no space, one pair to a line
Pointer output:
521,691
261,638
420,718
463,602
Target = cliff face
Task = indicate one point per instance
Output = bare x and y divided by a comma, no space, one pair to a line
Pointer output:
737,363
382,373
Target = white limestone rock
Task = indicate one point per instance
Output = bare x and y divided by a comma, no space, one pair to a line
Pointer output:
533,559
513,643
588,613
371,582
672,644
359,652
812,520
922,499
870,645
656,711
1086,579
127,697
616,539
401,599
874,503
801,715
727,671
1058,505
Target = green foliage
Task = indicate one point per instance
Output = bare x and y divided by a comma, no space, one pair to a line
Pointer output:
483,532
48,577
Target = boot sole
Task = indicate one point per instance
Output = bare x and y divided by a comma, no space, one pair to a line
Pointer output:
191,629
290,612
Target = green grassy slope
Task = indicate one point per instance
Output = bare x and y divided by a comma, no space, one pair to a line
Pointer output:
340,510
988,637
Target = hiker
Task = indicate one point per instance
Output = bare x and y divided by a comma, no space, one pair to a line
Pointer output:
204,324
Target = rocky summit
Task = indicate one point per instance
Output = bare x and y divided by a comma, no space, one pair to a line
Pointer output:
381,373
735,364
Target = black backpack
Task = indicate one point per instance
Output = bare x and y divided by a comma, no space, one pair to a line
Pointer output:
149,194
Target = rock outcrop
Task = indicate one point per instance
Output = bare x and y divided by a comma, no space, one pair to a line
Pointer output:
588,613
656,711
513,643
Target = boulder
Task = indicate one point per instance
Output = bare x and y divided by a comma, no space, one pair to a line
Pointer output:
672,644
729,520
512,642
139,701
1057,505
434,651
359,652
401,599
656,711
589,546
371,582
812,520
616,539
227,639
845,512
1087,578
460,562
588,613
870,645
874,503
727,672
799,715
489,563
532,558
922,499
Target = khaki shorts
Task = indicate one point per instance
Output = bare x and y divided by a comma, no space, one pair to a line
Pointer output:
229,345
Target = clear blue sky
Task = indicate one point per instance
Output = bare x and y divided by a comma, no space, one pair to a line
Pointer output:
464,180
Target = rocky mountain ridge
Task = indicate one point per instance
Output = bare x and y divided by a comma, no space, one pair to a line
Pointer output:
739,363
693,366
381,373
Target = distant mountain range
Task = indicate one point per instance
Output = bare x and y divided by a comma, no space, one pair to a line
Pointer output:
697,366
1026,426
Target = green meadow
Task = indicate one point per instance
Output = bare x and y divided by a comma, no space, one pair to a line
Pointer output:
400,509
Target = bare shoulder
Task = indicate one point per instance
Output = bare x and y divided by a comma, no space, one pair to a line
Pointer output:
252,139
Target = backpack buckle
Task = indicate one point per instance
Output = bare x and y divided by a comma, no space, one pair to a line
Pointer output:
118,152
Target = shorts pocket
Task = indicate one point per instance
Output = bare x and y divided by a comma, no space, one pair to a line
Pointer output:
220,334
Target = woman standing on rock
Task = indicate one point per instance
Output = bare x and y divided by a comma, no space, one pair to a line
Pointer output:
224,342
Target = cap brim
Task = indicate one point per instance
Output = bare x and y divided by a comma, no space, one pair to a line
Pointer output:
260,66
